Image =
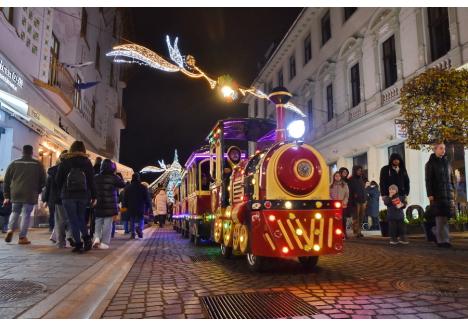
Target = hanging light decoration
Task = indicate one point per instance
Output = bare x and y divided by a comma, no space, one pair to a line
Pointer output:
134,53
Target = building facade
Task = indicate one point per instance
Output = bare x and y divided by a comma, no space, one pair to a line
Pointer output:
56,84
345,68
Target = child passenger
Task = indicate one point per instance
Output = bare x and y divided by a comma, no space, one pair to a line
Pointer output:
395,216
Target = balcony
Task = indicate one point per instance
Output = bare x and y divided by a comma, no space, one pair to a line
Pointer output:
392,93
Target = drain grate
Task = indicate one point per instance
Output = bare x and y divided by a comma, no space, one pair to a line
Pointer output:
257,305
202,258
438,286
12,290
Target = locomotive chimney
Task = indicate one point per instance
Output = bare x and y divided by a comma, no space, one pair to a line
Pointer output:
280,96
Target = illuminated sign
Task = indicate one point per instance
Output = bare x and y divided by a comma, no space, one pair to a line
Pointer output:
9,77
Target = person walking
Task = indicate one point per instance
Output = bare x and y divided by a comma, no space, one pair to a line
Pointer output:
339,191
357,199
396,226
440,187
160,205
24,180
107,205
394,174
51,197
5,211
372,209
136,201
75,179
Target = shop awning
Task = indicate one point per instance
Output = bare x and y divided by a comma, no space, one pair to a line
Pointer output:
14,105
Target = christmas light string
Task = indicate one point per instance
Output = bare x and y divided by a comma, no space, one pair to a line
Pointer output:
134,53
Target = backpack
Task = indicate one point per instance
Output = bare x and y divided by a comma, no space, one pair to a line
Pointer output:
76,181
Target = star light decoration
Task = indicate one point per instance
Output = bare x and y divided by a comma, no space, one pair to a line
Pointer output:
134,53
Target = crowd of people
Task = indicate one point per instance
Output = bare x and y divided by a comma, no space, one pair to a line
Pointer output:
360,198
84,200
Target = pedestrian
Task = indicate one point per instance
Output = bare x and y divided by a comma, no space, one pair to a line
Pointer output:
357,199
136,201
440,187
75,179
339,191
24,180
107,205
372,209
396,225
123,211
344,172
97,165
160,205
5,211
51,197
394,174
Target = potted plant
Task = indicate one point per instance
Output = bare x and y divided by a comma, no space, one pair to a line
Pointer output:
383,222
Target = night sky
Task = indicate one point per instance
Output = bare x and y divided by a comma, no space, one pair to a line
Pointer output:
168,111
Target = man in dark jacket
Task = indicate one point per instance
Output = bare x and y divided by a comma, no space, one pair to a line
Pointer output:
75,178
357,199
107,206
440,188
394,174
136,200
24,179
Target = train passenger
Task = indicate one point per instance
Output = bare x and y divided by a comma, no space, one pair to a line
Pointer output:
339,191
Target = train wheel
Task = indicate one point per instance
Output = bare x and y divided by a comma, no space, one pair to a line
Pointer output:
227,234
235,236
226,252
255,263
309,262
243,239
218,230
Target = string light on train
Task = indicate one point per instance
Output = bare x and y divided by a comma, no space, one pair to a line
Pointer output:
226,86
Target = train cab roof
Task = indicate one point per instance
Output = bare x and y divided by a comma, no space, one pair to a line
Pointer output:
244,129
199,154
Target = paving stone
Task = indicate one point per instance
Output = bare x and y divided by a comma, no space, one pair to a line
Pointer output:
450,314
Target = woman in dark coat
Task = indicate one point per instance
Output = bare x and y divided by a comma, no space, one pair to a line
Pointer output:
372,210
107,206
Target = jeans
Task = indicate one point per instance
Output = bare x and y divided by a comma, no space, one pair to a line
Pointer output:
375,223
358,213
62,227
126,228
136,219
442,229
397,229
103,229
24,210
76,212
4,223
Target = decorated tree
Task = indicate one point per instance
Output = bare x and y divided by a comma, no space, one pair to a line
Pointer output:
434,108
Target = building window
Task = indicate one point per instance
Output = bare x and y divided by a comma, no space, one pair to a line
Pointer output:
280,78
361,160
98,57
355,85
307,49
389,61
8,13
398,149
54,59
84,22
310,113
292,66
255,112
330,102
77,94
326,27
439,32
348,12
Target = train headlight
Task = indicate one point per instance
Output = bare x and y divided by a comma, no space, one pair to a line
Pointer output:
288,205
296,129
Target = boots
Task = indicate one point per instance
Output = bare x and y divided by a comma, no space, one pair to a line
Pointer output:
9,236
88,244
78,248
24,241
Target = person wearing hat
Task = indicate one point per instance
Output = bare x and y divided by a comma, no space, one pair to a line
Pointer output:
396,203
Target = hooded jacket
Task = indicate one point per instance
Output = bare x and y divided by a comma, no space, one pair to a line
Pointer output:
24,179
107,185
389,176
80,161
160,203
393,212
440,184
357,190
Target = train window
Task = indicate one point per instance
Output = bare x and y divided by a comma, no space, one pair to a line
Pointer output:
204,175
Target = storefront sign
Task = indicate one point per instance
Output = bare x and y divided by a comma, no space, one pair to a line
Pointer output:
9,76
399,131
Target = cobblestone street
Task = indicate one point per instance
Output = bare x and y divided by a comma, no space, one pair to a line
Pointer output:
370,280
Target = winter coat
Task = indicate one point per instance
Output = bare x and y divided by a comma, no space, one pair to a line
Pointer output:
24,180
4,210
160,203
373,196
357,190
389,176
339,191
440,185
51,194
81,161
393,212
107,195
136,199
